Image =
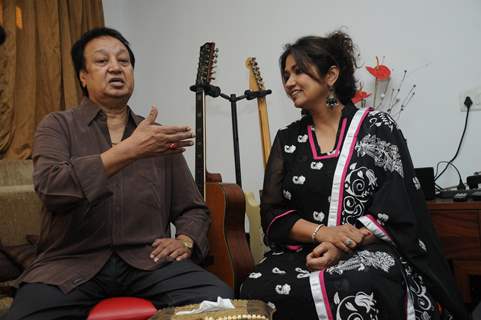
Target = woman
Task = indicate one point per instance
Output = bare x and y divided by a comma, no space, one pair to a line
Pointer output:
341,207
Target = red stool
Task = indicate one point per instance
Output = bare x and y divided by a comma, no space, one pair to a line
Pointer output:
122,308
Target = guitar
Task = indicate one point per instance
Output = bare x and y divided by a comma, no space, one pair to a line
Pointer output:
256,83
229,255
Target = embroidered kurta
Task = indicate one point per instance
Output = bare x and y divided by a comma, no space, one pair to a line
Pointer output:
368,180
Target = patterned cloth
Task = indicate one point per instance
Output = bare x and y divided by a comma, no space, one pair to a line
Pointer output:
367,180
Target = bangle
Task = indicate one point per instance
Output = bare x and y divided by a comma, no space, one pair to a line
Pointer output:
313,236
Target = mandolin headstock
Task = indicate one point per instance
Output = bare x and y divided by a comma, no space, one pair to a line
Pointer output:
207,63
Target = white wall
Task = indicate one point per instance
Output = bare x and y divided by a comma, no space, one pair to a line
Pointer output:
438,42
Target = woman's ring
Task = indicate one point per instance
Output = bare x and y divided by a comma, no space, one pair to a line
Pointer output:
348,242
172,146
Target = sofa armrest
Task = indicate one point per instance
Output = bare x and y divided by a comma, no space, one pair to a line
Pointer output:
19,213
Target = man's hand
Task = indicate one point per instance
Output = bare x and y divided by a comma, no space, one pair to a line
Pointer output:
345,237
170,249
323,256
150,139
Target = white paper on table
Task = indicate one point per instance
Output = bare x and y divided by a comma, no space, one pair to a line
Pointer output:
205,306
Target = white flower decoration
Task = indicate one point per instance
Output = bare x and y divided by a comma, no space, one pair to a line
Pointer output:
298,179
302,138
276,270
286,194
318,216
289,149
283,289
382,217
302,273
255,275
316,165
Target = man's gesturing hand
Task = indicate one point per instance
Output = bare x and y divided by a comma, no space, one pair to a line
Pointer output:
150,139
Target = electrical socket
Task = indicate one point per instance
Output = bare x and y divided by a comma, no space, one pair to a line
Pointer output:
475,95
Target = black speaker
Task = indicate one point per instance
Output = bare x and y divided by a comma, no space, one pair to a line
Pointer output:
426,178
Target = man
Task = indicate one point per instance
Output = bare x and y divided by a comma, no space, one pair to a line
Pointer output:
111,183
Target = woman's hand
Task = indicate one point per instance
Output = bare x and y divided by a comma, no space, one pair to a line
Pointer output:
345,237
369,237
323,256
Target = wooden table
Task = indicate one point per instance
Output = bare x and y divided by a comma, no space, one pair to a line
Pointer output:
459,227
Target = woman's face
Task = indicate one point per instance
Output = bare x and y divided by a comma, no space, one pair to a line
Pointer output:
305,91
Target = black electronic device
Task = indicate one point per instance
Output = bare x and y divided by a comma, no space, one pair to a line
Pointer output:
476,196
449,194
474,181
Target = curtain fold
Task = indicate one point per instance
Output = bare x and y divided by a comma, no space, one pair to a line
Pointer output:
36,71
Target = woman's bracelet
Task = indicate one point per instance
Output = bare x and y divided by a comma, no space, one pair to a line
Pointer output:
313,235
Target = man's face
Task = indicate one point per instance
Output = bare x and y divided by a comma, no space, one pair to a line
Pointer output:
108,74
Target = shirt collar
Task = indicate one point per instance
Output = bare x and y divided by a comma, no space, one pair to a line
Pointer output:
88,111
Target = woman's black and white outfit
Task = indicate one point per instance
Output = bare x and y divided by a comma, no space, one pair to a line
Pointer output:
368,180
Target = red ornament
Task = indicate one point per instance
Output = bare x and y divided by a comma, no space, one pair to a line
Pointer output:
380,72
360,95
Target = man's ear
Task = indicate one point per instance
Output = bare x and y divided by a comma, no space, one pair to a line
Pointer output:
332,75
83,78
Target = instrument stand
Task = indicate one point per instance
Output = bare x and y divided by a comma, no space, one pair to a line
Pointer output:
215,92
248,95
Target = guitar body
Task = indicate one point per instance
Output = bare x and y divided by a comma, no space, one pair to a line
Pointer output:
253,211
227,242
229,257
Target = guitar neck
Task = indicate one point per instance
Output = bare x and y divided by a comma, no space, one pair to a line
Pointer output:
200,171
264,126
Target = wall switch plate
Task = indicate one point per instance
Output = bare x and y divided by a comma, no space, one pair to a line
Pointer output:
475,95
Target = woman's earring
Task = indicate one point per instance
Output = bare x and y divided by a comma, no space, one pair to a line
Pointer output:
331,100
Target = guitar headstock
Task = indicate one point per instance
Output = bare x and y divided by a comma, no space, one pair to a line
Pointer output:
207,63
256,83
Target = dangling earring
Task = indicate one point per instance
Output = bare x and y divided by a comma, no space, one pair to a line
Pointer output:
331,100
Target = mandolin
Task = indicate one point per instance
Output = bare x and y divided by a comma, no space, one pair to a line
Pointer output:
256,83
229,255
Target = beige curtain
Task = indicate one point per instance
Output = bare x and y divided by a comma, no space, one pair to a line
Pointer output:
36,72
